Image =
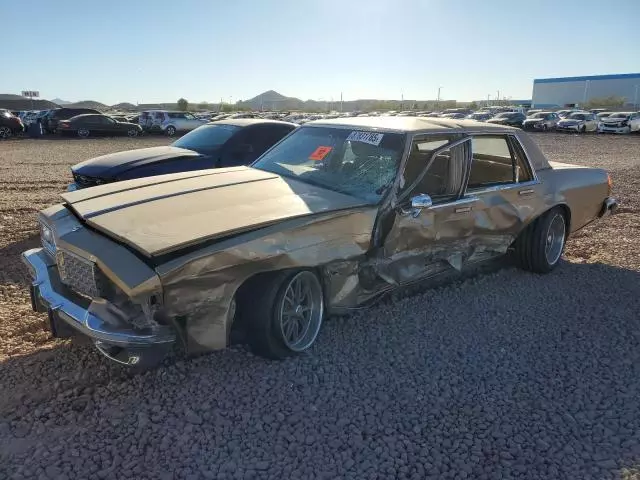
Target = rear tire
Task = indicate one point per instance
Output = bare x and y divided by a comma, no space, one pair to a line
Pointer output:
170,131
132,133
83,132
539,247
278,321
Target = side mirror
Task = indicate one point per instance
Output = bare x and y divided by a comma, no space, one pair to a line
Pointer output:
420,202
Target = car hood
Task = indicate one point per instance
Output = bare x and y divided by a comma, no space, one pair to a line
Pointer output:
570,121
113,164
161,214
614,120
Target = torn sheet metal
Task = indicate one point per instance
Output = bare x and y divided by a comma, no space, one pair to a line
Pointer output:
200,286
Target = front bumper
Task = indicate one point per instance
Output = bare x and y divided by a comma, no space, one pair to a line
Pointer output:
609,206
72,187
123,345
568,128
607,129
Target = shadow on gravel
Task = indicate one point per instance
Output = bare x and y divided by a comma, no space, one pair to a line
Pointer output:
505,375
12,269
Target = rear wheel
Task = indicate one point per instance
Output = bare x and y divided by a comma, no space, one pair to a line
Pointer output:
83,132
540,245
283,313
171,131
5,132
582,129
132,132
545,127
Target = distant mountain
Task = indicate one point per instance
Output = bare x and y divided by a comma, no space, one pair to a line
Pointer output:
61,102
124,106
272,100
18,102
88,104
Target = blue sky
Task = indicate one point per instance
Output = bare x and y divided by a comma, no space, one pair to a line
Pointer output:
150,51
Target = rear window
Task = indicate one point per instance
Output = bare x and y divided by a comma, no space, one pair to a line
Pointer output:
206,136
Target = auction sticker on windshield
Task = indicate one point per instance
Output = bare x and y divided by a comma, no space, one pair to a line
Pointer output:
319,153
371,138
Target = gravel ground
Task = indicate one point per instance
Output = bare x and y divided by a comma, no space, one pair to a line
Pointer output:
506,375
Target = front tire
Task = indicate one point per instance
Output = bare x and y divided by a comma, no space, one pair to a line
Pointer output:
83,132
539,247
132,132
283,313
5,132
171,131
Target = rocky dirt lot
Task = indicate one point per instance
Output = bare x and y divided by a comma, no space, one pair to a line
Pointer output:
506,375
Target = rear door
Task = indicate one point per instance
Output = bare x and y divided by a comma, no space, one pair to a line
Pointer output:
503,192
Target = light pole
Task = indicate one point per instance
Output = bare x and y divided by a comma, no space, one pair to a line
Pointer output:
635,99
438,99
586,90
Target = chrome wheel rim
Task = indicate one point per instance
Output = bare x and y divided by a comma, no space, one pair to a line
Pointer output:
171,131
555,239
5,132
133,133
83,132
300,312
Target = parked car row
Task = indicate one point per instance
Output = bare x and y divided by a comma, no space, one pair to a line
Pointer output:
336,214
84,122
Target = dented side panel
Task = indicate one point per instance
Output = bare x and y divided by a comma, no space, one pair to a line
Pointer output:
200,287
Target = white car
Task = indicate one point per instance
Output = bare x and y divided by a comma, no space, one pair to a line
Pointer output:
169,122
620,122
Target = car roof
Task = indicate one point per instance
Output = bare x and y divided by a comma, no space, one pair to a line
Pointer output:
245,122
410,124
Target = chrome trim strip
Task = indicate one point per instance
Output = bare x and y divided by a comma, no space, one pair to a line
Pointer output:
79,317
508,186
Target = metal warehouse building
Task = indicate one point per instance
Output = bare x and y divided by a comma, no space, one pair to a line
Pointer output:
570,91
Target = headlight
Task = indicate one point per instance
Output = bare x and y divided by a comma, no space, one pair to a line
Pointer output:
47,238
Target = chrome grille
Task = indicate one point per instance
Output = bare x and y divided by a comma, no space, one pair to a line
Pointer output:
81,275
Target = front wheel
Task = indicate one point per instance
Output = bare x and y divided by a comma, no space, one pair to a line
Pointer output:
285,313
83,132
540,245
5,132
132,132
171,131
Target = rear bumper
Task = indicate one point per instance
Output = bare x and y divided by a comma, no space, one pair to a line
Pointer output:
609,206
67,315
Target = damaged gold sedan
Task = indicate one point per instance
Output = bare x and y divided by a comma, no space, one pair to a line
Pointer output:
334,215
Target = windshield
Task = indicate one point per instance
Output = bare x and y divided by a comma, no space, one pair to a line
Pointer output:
618,115
206,136
359,163
538,115
577,116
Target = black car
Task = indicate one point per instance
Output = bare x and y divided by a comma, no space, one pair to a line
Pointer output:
97,125
226,143
51,120
10,125
512,119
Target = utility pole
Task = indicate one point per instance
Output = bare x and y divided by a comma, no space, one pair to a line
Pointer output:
586,90
488,99
341,102
438,99
401,101
498,97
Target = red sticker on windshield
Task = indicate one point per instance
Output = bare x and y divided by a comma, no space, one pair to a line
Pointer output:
319,153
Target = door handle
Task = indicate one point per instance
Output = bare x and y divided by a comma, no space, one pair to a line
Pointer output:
462,210
526,192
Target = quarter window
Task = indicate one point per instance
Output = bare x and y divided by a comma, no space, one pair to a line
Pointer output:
496,162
